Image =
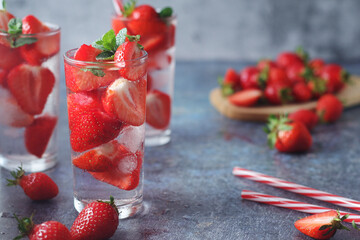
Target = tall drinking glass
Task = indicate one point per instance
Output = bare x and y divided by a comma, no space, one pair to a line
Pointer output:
158,39
107,131
29,104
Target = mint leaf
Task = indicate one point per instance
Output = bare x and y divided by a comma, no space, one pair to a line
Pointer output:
18,42
109,40
96,72
121,36
15,26
106,55
166,12
99,45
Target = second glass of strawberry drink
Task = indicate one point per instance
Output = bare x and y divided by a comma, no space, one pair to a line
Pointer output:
157,30
106,93
29,105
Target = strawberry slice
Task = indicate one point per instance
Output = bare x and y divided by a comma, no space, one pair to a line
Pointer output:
5,17
11,113
38,134
128,51
89,125
44,47
126,171
246,98
78,79
10,57
158,109
153,42
126,101
31,86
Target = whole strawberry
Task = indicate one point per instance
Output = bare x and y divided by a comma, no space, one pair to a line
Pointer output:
37,186
97,221
50,230
329,108
288,136
307,117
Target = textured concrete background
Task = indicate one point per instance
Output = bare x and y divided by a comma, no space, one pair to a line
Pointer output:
226,30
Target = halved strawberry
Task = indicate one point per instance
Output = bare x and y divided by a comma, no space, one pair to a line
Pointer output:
44,47
79,79
125,174
10,57
125,100
89,125
129,51
11,113
31,86
246,98
101,159
158,109
5,17
38,134
153,43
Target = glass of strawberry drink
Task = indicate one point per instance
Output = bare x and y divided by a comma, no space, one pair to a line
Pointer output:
29,105
157,30
106,93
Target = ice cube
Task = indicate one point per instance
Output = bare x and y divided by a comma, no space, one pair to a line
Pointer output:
132,138
128,164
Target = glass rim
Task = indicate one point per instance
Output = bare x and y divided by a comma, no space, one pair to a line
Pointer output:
69,59
54,29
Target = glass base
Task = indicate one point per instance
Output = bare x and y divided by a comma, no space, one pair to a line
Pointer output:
28,162
125,210
157,138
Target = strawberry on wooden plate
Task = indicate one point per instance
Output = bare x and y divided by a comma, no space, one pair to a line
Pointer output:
31,86
301,92
285,59
158,109
125,100
307,117
38,134
245,98
278,93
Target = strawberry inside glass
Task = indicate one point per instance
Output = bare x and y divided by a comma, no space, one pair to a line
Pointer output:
106,94
157,30
29,76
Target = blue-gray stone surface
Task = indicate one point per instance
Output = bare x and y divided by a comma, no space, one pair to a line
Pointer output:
189,189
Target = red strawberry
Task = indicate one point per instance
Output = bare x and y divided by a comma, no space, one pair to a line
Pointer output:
12,115
231,77
250,78
298,72
307,117
317,86
301,92
128,51
246,98
5,17
266,63
126,101
158,109
97,221
47,230
159,61
44,47
79,79
276,75
153,43
38,134
321,225
125,173
89,125
278,93
329,108
288,136
37,186
316,65
10,57
102,158
286,59
335,77
31,86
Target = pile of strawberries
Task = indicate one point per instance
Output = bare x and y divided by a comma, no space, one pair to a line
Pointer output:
25,84
292,77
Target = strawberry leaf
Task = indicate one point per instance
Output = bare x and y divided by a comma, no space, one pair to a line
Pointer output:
166,12
226,89
302,54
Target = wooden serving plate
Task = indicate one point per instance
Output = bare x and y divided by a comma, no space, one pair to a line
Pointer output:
350,96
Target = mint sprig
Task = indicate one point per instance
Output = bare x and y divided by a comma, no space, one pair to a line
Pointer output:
166,12
15,30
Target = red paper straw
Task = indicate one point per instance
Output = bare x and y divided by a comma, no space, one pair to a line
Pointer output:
296,188
294,205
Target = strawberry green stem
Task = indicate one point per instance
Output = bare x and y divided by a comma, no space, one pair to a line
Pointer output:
17,175
25,226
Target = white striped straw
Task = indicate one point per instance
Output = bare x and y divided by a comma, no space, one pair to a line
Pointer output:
294,205
296,188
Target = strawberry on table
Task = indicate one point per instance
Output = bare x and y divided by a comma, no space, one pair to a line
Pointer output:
38,134
97,221
245,98
37,186
279,93
287,136
301,92
307,117
158,109
31,86
329,108
89,125
47,230
321,225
